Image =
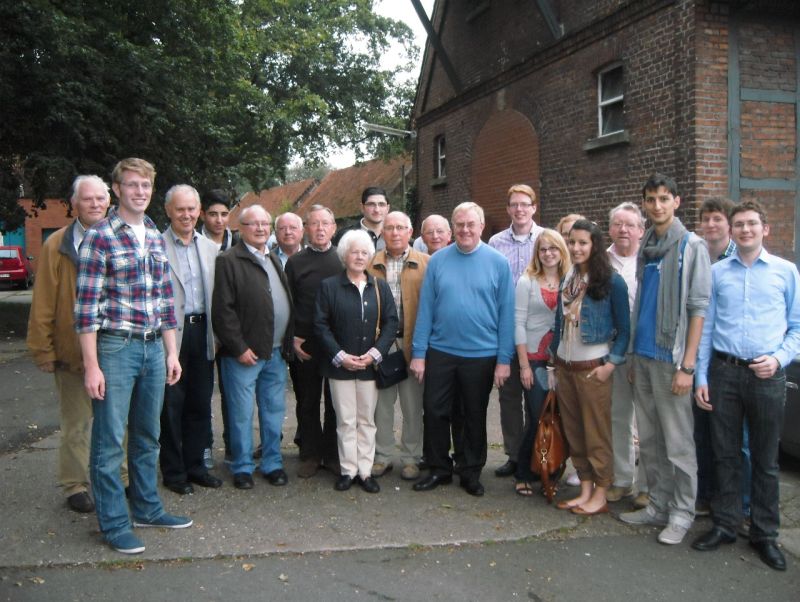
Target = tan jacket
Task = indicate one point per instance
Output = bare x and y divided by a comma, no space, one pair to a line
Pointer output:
51,332
410,285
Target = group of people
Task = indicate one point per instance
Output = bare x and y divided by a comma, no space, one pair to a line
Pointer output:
624,334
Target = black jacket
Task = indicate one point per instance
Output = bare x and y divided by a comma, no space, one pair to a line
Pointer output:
339,325
243,315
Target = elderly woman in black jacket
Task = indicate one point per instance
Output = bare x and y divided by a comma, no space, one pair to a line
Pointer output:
356,322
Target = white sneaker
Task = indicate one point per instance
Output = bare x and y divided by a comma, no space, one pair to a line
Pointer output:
673,534
645,516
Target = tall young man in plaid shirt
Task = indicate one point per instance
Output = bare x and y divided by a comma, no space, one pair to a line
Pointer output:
125,319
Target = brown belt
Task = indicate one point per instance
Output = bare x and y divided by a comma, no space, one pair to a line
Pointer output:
579,366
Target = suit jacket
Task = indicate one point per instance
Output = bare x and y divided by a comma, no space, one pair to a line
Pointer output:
207,252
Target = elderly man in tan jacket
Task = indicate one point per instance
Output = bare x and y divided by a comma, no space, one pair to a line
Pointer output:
404,270
53,342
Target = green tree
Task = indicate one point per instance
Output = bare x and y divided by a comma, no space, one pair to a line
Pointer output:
216,93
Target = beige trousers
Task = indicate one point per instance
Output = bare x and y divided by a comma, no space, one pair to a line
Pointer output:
76,432
354,402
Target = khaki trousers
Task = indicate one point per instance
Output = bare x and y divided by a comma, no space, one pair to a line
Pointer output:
354,402
585,405
76,431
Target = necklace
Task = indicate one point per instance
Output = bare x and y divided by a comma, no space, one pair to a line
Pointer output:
550,286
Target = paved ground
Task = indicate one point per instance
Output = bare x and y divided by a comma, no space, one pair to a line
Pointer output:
307,541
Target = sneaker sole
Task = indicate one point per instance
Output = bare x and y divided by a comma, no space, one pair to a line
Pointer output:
152,526
652,523
138,550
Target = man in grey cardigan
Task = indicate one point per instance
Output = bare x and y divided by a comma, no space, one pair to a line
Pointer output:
674,275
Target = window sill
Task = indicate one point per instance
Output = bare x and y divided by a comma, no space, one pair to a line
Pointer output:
436,182
606,141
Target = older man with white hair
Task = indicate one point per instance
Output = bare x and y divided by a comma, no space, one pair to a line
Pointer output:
403,268
252,318
435,234
186,415
53,342
463,342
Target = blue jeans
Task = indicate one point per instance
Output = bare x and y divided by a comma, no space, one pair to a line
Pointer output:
266,382
736,395
534,397
135,375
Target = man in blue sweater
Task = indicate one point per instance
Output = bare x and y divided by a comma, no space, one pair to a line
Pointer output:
463,343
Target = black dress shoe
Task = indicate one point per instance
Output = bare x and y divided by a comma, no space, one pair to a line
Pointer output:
80,502
472,487
770,554
370,485
243,480
507,469
206,480
712,540
277,477
343,483
432,482
180,487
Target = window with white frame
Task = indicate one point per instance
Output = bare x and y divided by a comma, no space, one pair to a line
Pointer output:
610,85
439,168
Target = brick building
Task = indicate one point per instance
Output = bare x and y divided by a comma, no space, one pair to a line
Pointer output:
582,99
41,223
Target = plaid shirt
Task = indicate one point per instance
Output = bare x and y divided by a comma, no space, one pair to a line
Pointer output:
121,287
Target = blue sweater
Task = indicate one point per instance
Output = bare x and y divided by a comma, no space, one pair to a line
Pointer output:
466,307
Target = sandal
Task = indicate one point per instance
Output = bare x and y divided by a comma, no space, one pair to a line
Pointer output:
524,489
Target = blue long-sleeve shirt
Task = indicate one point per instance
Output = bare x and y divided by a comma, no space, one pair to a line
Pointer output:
753,311
466,307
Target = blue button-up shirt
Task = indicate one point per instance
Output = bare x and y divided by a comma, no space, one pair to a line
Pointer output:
753,311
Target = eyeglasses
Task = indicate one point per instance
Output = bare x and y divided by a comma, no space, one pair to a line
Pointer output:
546,250
376,204
520,205
395,228
264,225
135,185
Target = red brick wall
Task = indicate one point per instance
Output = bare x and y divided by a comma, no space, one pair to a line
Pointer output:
675,60
53,215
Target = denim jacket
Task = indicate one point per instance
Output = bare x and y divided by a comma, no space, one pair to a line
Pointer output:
602,321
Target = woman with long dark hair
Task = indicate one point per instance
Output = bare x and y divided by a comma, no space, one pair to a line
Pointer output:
592,329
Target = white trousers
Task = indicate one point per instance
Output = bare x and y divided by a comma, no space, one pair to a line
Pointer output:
354,402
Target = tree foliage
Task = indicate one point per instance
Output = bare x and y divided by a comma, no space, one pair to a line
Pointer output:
216,93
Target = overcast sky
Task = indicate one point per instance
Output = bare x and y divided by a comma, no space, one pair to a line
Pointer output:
401,10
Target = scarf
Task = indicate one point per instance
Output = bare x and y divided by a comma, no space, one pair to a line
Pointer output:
667,248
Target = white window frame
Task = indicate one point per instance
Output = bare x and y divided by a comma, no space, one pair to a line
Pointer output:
441,165
601,104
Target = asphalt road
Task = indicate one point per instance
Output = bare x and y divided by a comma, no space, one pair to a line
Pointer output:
307,542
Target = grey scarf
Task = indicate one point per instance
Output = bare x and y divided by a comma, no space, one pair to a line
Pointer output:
666,248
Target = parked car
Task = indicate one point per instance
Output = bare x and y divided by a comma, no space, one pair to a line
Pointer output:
790,433
15,267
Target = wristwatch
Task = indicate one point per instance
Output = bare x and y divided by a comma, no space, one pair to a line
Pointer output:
685,370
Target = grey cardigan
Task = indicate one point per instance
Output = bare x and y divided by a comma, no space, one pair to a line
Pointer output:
532,318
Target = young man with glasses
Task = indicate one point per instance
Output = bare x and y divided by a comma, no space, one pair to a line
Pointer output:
516,244
374,207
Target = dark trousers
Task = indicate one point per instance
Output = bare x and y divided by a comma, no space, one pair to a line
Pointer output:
514,415
297,387
534,398
317,440
449,378
706,481
186,415
736,395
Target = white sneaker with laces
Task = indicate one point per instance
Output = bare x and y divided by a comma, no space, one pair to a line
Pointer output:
645,516
673,534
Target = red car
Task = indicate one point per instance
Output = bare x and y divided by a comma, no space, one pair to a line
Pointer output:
15,267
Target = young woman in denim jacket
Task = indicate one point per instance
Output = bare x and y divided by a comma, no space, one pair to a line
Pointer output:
592,329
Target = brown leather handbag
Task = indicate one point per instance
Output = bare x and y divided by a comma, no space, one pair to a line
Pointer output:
550,449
